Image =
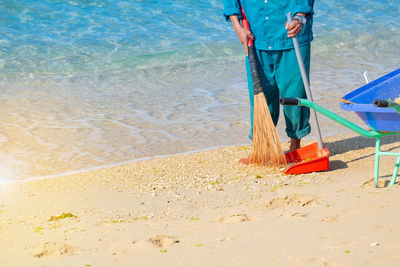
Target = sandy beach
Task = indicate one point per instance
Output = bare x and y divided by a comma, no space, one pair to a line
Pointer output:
122,124
204,209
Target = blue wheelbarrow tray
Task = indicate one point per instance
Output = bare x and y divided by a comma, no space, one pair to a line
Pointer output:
361,102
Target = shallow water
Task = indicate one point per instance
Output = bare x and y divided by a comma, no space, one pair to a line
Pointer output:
92,83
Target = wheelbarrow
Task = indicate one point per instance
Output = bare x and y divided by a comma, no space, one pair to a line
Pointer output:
371,105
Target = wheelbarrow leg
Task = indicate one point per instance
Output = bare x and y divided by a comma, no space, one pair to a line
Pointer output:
377,156
395,171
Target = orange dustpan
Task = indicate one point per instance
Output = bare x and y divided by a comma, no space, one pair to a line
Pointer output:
308,159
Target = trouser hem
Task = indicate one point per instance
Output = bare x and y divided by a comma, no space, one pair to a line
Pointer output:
299,134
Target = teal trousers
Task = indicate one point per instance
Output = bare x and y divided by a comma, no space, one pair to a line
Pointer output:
280,77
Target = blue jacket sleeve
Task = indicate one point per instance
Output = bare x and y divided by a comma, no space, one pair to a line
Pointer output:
231,7
304,6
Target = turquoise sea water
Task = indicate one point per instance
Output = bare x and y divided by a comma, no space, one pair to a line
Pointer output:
91,83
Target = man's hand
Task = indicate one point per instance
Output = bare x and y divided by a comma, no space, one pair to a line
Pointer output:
294,28
242,33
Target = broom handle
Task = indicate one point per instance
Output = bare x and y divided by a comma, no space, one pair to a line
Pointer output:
255,76
245,24
314,120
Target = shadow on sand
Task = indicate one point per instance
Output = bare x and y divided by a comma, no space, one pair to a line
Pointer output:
356,143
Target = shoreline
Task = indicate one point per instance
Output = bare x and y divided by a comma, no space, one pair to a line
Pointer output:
83,171
324,125
37,161
176,210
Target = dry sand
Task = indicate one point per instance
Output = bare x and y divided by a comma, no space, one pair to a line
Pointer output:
204,209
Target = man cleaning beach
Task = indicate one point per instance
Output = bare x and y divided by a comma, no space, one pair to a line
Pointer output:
278,67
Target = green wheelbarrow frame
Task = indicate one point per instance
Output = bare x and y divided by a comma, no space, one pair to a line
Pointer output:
366,133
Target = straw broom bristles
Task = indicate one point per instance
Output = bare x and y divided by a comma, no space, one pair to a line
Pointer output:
266,146
267,149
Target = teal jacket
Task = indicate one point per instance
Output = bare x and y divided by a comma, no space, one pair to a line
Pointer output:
267,20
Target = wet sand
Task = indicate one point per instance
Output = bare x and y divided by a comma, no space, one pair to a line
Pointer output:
204,209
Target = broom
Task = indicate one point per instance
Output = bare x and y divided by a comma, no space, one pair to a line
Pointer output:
266,148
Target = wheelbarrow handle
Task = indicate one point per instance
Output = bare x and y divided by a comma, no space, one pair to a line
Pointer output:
380,103
289,101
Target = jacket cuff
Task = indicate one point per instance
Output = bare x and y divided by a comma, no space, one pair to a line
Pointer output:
303,9
232,11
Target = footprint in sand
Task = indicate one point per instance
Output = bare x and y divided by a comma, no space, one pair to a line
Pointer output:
292,200
55,249
235,218
334,218
300,215
163,241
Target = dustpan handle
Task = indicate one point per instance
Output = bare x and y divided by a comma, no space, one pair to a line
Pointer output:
314,120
